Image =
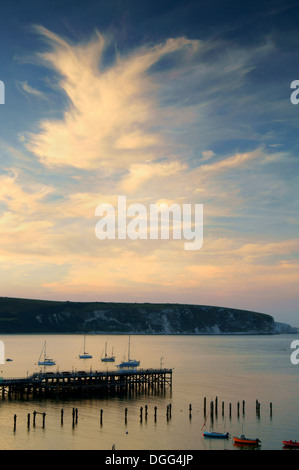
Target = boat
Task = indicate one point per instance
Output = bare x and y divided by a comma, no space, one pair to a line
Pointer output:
219,435
291,444
46,361
245,441
85,354
130,363
107,358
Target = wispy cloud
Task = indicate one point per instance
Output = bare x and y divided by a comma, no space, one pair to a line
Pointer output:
29,90
112,110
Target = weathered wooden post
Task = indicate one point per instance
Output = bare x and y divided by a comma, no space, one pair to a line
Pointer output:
126,414
223,408
141,409
34,417
61,416
204,406
243,407
28,421
216,406
155,414
44,419
101,418
15,423
258,408
167,412
230,410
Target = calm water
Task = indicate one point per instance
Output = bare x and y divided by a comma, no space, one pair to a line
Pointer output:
233,368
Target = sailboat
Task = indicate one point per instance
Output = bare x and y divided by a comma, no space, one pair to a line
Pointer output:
85,354
108,358
46,361
130,362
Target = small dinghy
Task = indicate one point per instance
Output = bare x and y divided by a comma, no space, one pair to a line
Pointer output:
219,435
291,444
242,440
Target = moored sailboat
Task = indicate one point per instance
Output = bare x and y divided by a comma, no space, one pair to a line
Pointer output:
85,354
46,361
107,358
130,363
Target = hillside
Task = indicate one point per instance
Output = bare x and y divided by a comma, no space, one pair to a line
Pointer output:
41,316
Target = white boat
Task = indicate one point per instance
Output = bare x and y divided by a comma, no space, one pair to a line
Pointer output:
130,363
107,358
85,354
46,361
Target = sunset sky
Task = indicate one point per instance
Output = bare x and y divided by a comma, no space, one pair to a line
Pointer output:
184,102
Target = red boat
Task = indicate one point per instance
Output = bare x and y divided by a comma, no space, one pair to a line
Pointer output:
291,444
245,441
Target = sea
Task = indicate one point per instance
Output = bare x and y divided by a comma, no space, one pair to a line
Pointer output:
229,369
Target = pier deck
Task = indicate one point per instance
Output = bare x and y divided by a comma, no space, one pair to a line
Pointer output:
49,384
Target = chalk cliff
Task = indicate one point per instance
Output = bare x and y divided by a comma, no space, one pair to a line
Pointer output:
39,316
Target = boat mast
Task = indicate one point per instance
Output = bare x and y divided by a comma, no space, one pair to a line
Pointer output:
129,349
43,349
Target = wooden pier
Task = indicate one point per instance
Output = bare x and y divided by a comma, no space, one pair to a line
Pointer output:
64,384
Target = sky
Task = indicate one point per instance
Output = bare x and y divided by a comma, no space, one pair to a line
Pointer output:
173,102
